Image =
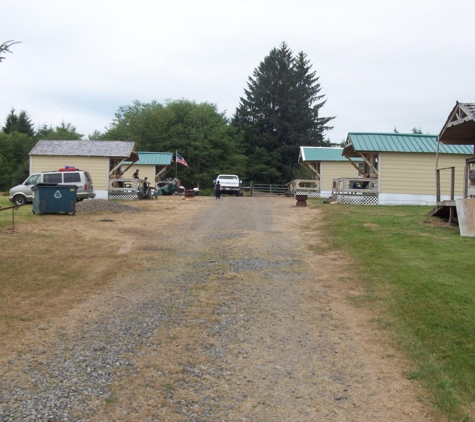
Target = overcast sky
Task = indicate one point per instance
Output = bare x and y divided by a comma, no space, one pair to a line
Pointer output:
382,63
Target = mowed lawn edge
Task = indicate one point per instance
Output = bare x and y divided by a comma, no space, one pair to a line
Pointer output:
418,273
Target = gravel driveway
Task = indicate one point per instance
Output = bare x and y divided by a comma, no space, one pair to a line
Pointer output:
232,318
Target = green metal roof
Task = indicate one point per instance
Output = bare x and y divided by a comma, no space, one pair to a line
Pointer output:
322,154
154,158
401,142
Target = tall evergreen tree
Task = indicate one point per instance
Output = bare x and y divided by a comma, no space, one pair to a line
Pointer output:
18,123
24,124
279,113
11,122
63,132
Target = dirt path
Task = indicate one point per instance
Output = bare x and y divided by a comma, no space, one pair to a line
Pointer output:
232,318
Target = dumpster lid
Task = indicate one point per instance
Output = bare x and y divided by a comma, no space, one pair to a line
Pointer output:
44,184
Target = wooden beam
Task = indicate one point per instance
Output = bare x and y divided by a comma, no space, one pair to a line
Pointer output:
162,172
130,165
353,164
117,166
370,164
314,169
458,121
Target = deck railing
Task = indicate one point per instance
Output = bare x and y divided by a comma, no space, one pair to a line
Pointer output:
354,185
126,189
303,185
124,184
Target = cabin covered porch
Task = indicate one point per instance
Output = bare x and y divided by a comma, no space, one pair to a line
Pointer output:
361,190
325,163
459,129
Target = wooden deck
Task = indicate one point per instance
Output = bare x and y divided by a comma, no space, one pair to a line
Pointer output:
446,210
355,186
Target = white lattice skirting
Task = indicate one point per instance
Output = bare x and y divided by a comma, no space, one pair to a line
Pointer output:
358,199
310,194
123,196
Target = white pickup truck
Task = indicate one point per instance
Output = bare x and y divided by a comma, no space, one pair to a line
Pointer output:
230,184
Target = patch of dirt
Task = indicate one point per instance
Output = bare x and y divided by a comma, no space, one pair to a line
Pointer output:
255,320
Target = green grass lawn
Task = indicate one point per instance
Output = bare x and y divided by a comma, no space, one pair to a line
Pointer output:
420,275
21,214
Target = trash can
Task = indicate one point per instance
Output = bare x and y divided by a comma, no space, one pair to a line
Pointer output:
52,198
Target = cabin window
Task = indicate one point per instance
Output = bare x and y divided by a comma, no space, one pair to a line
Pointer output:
361,168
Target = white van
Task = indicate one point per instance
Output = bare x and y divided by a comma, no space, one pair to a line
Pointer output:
21,194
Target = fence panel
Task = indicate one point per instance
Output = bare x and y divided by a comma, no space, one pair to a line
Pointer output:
269,190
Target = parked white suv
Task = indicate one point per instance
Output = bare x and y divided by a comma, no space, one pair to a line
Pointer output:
21,194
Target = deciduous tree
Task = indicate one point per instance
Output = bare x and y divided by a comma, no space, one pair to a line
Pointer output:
199,132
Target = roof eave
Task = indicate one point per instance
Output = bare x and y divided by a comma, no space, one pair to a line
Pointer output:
460,131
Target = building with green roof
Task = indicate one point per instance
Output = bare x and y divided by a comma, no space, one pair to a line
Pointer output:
400,168
151,165
326,163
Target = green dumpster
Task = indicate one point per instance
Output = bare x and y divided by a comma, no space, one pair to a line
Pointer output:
52,198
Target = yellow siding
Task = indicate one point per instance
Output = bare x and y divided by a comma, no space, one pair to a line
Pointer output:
333,170
98,167
145,171
414,173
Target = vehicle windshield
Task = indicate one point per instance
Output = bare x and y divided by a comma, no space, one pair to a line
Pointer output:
227,177
33,179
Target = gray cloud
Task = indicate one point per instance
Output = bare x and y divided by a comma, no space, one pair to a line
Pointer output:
381,64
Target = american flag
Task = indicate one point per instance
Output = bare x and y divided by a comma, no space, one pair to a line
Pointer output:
181,160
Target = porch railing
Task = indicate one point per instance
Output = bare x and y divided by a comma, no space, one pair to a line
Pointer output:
354,185
123,188
303,185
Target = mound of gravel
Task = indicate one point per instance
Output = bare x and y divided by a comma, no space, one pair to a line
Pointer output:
90,205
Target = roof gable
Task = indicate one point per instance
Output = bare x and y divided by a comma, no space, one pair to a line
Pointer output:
460,125
397,142
114,149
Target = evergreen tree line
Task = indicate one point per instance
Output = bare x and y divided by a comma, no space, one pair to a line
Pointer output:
17,138
279,112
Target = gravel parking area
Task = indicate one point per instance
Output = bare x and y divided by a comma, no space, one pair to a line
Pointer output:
235,319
